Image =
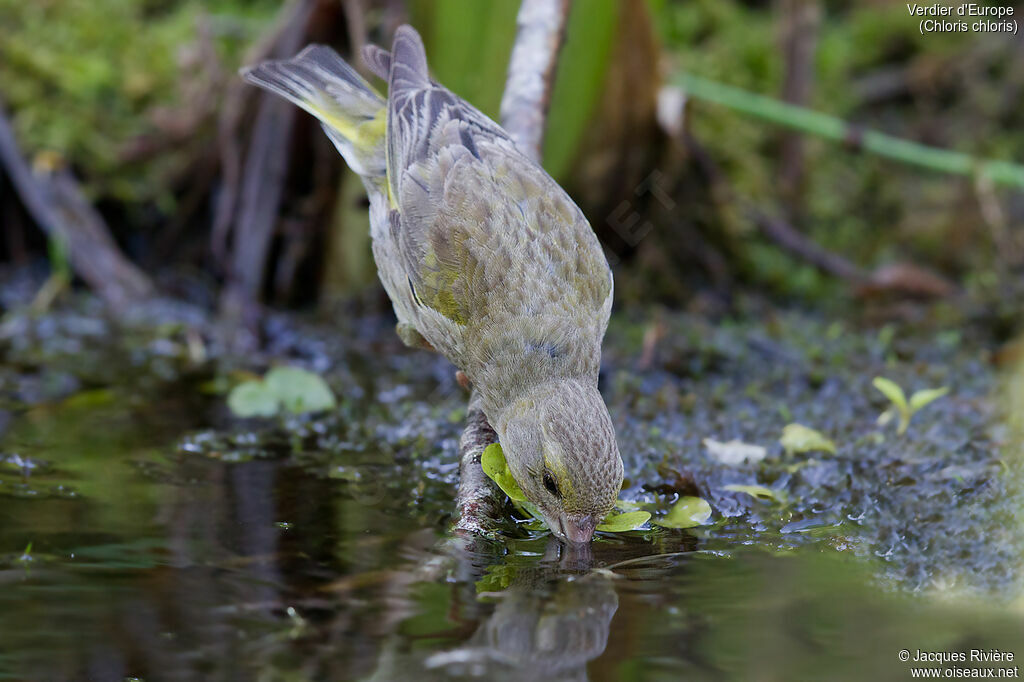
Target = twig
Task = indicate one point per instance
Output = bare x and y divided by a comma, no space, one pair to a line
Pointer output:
477,497
238,102
823,125
261,183
792,240
56,204
524,106
776,229
540,29
800,23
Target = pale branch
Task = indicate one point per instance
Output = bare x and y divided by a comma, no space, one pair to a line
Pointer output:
56,203
477,499
540,29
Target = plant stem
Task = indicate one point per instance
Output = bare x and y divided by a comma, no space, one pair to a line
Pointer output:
830,127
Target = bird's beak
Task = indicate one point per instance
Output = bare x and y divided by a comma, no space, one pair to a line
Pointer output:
575,529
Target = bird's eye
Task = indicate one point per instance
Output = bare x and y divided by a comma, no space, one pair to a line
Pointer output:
549,483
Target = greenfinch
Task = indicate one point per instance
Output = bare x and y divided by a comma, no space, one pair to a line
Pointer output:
486,260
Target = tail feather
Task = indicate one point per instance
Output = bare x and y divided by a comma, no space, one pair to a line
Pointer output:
322,83
378,60
408,62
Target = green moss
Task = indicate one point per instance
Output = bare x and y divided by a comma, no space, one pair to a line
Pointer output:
84,79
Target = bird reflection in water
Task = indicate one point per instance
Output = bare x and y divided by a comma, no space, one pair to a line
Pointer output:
549,619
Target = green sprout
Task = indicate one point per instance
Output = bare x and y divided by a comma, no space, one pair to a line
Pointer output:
902,407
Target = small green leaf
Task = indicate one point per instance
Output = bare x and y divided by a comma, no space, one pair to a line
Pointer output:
886,417
252,399
494,465
529,509
299,390
758,491
922,398
688,512
620,523
891,390
797,438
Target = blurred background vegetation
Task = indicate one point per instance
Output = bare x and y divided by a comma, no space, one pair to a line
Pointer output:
204,181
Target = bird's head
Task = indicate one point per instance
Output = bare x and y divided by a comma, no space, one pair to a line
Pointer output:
560,446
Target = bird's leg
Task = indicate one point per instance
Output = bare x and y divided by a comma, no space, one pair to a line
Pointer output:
412,338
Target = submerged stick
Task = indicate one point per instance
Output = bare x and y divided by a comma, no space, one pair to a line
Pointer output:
540,30
524,107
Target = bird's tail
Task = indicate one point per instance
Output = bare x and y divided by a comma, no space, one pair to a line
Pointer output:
352,113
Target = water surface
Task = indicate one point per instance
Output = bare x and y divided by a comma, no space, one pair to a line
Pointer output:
145,560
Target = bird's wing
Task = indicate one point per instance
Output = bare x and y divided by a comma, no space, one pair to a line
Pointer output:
424,117
479,224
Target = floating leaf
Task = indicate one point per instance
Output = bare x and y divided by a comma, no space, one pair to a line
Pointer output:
620,523
252,399
291,388
891,390
735,452
797,438
688,512
922,398
299,390
758,491
494,465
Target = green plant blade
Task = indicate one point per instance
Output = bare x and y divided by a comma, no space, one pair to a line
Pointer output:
929,395
891,390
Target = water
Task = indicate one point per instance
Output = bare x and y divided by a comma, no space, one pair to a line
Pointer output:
124,555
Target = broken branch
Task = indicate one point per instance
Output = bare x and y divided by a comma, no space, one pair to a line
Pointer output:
540,29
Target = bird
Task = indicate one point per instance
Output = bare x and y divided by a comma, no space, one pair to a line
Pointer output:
486,260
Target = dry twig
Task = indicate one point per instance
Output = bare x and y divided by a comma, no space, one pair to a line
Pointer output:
55,202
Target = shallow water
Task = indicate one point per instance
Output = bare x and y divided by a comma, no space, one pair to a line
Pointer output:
129,551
